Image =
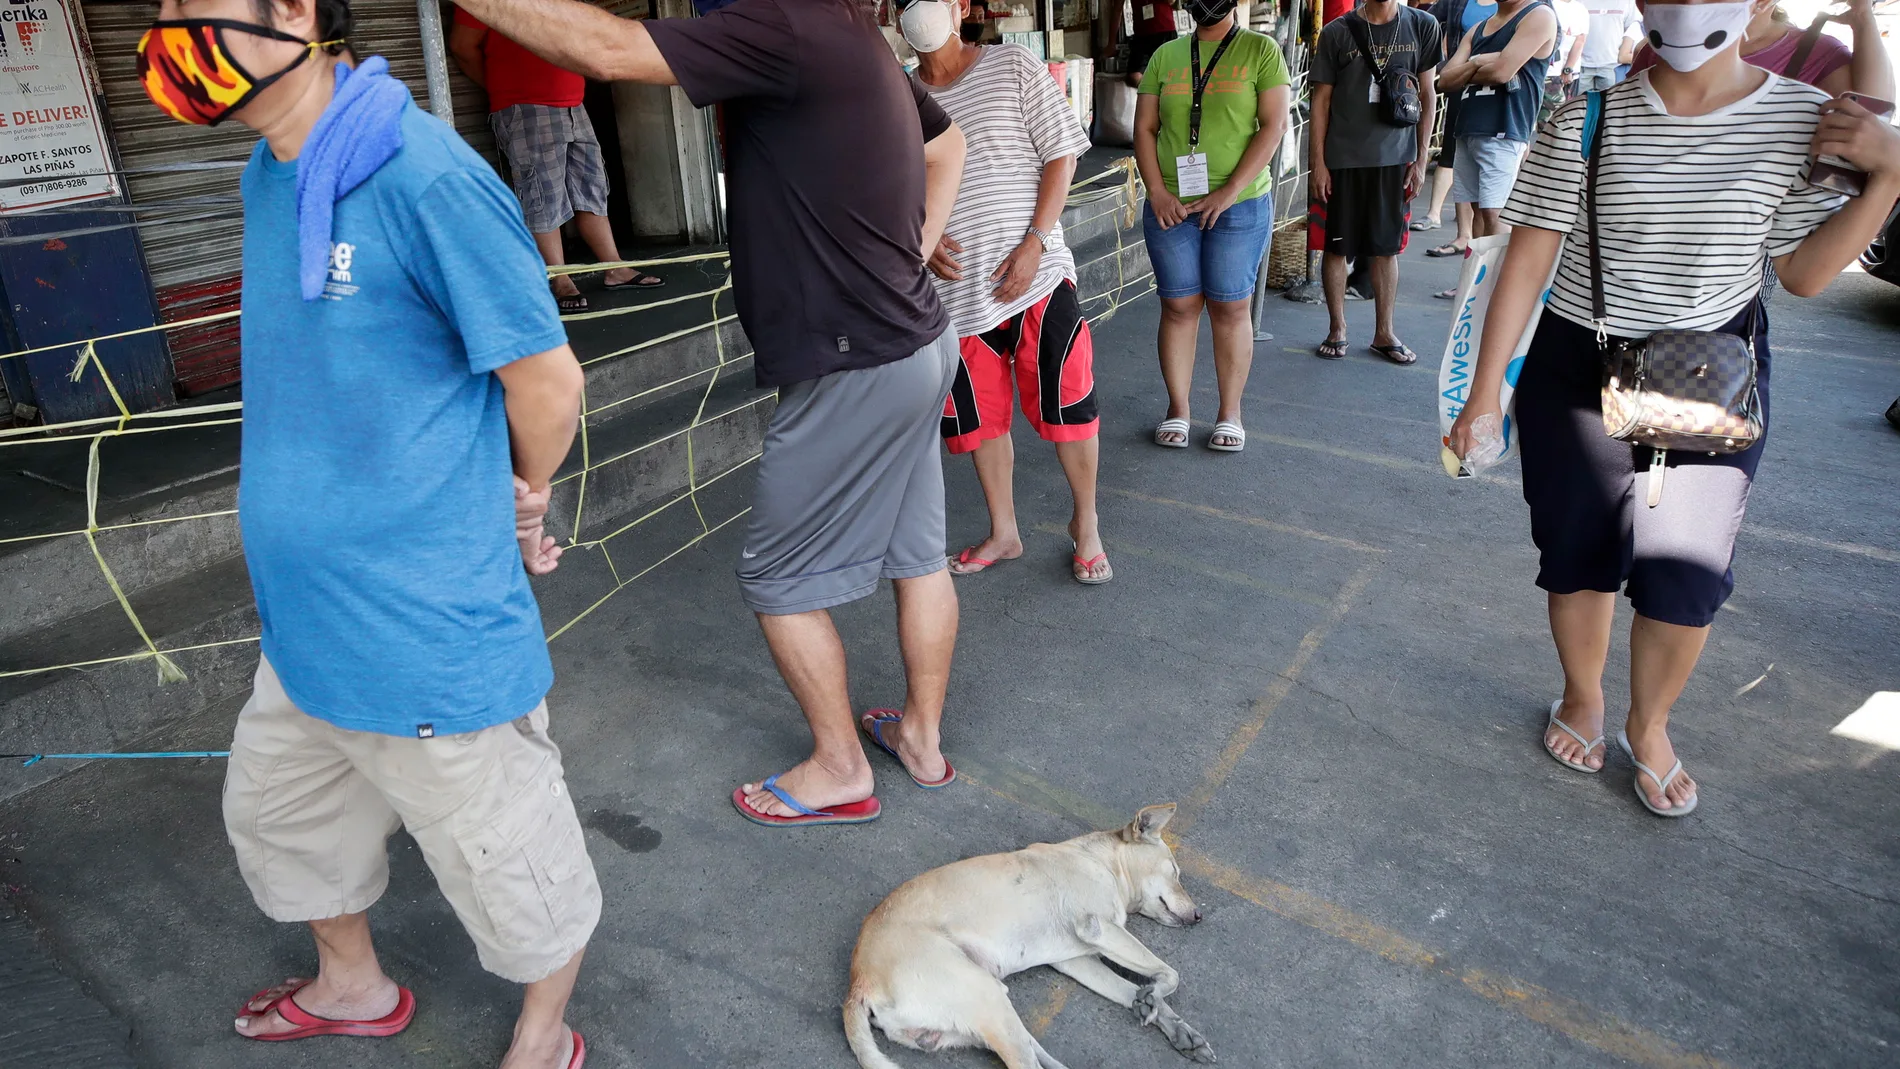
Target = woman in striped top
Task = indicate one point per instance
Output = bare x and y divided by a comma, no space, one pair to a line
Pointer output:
1702,180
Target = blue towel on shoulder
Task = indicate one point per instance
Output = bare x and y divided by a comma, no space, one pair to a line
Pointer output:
355,136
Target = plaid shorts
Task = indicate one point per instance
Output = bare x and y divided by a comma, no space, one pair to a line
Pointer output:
554,160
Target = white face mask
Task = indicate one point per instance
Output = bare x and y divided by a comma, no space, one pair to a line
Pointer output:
928,24
1686,36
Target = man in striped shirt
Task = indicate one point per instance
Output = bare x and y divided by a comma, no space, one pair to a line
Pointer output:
1008,280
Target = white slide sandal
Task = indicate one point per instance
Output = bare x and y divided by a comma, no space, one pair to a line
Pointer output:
1588,744
1228,429
1662,782
1172,426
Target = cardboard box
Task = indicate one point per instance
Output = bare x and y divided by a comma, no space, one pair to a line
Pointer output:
1037,43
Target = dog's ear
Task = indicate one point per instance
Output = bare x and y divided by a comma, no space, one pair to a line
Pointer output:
1148,823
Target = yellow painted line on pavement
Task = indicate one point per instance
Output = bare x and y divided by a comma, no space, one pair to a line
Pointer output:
1563,1015
1310,910
1040,1018
1566,1016
1854,549
1263,707
1251,521
1833,354
1121,546
1799,539
1335,410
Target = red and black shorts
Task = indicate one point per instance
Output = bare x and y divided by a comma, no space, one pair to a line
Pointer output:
1053,360
1367,215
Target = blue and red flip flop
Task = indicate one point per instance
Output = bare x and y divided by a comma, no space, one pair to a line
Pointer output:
872,723
854,813
305,1024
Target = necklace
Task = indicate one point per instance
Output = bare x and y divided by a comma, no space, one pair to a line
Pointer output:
1392,28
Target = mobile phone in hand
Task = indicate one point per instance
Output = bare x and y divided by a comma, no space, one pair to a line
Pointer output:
1835,173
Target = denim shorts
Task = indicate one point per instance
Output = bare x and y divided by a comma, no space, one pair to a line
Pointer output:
1220,264
1485,171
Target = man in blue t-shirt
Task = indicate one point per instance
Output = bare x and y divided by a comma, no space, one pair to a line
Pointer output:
409,393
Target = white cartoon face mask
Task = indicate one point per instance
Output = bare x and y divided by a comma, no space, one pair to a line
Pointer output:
928,24
1686,36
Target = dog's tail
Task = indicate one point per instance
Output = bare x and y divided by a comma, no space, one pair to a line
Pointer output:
857,1032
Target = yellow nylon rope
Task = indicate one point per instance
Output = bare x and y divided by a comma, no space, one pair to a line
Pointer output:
87,357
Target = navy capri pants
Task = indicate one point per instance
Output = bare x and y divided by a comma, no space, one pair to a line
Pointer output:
1588,492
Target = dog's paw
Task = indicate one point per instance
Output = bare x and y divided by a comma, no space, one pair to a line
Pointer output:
1191,1043
1148,1005
1184,1037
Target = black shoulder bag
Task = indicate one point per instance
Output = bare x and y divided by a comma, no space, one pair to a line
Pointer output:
1676,389
1805,47
1398,88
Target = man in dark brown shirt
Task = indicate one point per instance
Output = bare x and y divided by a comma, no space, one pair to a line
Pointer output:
841,172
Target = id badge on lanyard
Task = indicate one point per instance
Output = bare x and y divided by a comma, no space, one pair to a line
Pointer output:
1190,171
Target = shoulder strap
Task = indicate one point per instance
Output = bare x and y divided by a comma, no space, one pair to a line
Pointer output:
1519,17
1592,115
1809,38
1593,152
1362,34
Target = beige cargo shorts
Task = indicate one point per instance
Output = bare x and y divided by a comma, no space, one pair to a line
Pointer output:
310,807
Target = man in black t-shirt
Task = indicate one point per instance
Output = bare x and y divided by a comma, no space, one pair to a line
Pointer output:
1365,168
841,171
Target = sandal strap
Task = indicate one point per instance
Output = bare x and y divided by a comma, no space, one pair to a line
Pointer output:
1662,782
293,1014
778,792
1588,744
1230,428
1171,424
877,731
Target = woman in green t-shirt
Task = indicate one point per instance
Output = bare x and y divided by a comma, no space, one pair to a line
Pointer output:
1210,205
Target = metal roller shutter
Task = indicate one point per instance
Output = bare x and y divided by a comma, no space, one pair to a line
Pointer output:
193,229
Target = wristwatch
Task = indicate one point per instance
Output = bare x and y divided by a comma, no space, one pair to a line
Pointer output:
1042,236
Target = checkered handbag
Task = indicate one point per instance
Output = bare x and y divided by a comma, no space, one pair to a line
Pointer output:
1676,389
1682,389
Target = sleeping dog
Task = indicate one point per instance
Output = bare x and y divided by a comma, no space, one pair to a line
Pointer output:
931,959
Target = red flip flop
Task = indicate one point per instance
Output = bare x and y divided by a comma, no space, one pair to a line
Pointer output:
580,1052
853,813
1081,569
309,1024
967,558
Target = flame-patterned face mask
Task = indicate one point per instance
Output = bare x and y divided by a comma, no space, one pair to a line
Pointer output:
190,74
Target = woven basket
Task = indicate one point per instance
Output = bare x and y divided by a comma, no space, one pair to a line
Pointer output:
1286,262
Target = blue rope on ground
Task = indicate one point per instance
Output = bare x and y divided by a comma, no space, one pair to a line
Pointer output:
32,759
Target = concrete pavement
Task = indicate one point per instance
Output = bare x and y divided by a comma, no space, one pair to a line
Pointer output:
1330,653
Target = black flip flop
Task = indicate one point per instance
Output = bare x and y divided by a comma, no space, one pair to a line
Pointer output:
573,303
1331,350
1398,354
640,281
1447,249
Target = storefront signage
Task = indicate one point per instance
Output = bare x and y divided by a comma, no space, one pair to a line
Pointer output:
52,138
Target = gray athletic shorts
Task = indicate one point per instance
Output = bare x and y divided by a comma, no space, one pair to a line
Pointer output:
555,162
851,485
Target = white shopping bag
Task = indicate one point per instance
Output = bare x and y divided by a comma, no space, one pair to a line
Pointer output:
1475,286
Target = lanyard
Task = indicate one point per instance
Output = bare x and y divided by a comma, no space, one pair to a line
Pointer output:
1201,78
